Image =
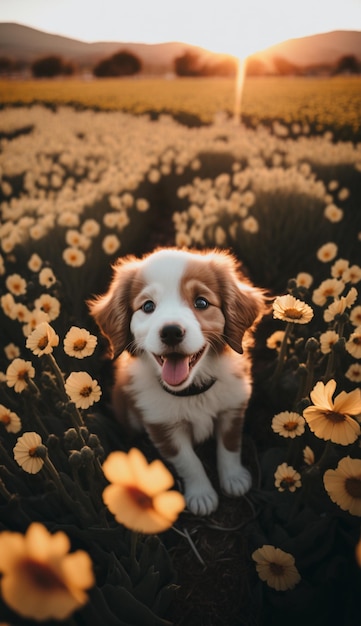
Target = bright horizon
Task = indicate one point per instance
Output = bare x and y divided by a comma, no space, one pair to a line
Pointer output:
235,27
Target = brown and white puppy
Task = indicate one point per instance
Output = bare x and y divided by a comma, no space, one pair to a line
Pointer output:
175,320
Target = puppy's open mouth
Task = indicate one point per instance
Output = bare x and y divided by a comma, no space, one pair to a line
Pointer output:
176,367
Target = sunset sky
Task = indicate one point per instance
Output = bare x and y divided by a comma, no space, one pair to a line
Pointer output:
237,27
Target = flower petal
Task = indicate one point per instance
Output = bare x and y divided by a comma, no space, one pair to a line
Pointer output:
321,395
348,403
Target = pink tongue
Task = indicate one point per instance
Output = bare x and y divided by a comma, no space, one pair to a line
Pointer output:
175,369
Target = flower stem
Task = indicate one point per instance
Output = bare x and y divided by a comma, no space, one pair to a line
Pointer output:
4,492
7,460
133,546
56,478
283,352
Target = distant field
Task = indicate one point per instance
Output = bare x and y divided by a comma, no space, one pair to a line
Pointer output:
322,103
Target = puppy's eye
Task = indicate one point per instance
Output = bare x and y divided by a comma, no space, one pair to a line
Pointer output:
201,303
148,306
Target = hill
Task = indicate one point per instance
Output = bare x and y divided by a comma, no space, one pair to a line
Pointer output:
24,44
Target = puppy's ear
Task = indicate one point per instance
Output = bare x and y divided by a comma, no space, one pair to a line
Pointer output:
112,311
242,302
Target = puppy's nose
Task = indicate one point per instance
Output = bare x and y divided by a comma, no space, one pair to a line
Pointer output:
172,334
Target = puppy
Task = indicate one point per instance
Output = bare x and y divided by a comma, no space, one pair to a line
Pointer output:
175,321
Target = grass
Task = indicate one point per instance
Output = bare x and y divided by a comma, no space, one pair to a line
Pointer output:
322,103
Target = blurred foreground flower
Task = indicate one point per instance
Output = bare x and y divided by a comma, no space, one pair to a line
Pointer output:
290,309
82,389
138,495
330,419
343,485
40,580
276,568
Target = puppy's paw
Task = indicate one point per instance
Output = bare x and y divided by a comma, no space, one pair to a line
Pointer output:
202,502
236,482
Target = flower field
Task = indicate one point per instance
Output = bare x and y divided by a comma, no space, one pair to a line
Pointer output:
92,525
323,103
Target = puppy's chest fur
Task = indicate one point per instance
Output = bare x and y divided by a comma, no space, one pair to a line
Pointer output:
145,401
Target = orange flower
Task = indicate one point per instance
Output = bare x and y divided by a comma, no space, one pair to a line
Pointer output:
343,485
330,419
138,495
40,580
290,309
276,568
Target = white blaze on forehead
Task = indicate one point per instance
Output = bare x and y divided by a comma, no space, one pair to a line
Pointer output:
165,268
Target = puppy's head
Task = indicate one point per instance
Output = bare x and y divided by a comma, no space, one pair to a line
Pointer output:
175,306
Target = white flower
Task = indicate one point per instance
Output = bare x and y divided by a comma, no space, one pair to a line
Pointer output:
10,420
16,284
73,257
110,244
79,343
25,453
18,373
327,252
82,389
42,340
47,277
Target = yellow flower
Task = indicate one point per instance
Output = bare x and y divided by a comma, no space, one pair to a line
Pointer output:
286,477
9,419
11,351
275,340
48,304
339,267
16,284
250,224
288,424
355,316
276,568
47,277
40,579
303,279
353,345
138,495
73,257
308,455
333,213
328,340
78,342
290,309
327,252
343,485
354,373
18,374
90,228
25,453
42,339
82,389
330,419
35,263
339,306
329,288
352,274
110,244
33,319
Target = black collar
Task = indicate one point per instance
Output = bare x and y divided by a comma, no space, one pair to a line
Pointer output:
192,390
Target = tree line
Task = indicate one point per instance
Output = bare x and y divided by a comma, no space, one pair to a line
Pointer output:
125,63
